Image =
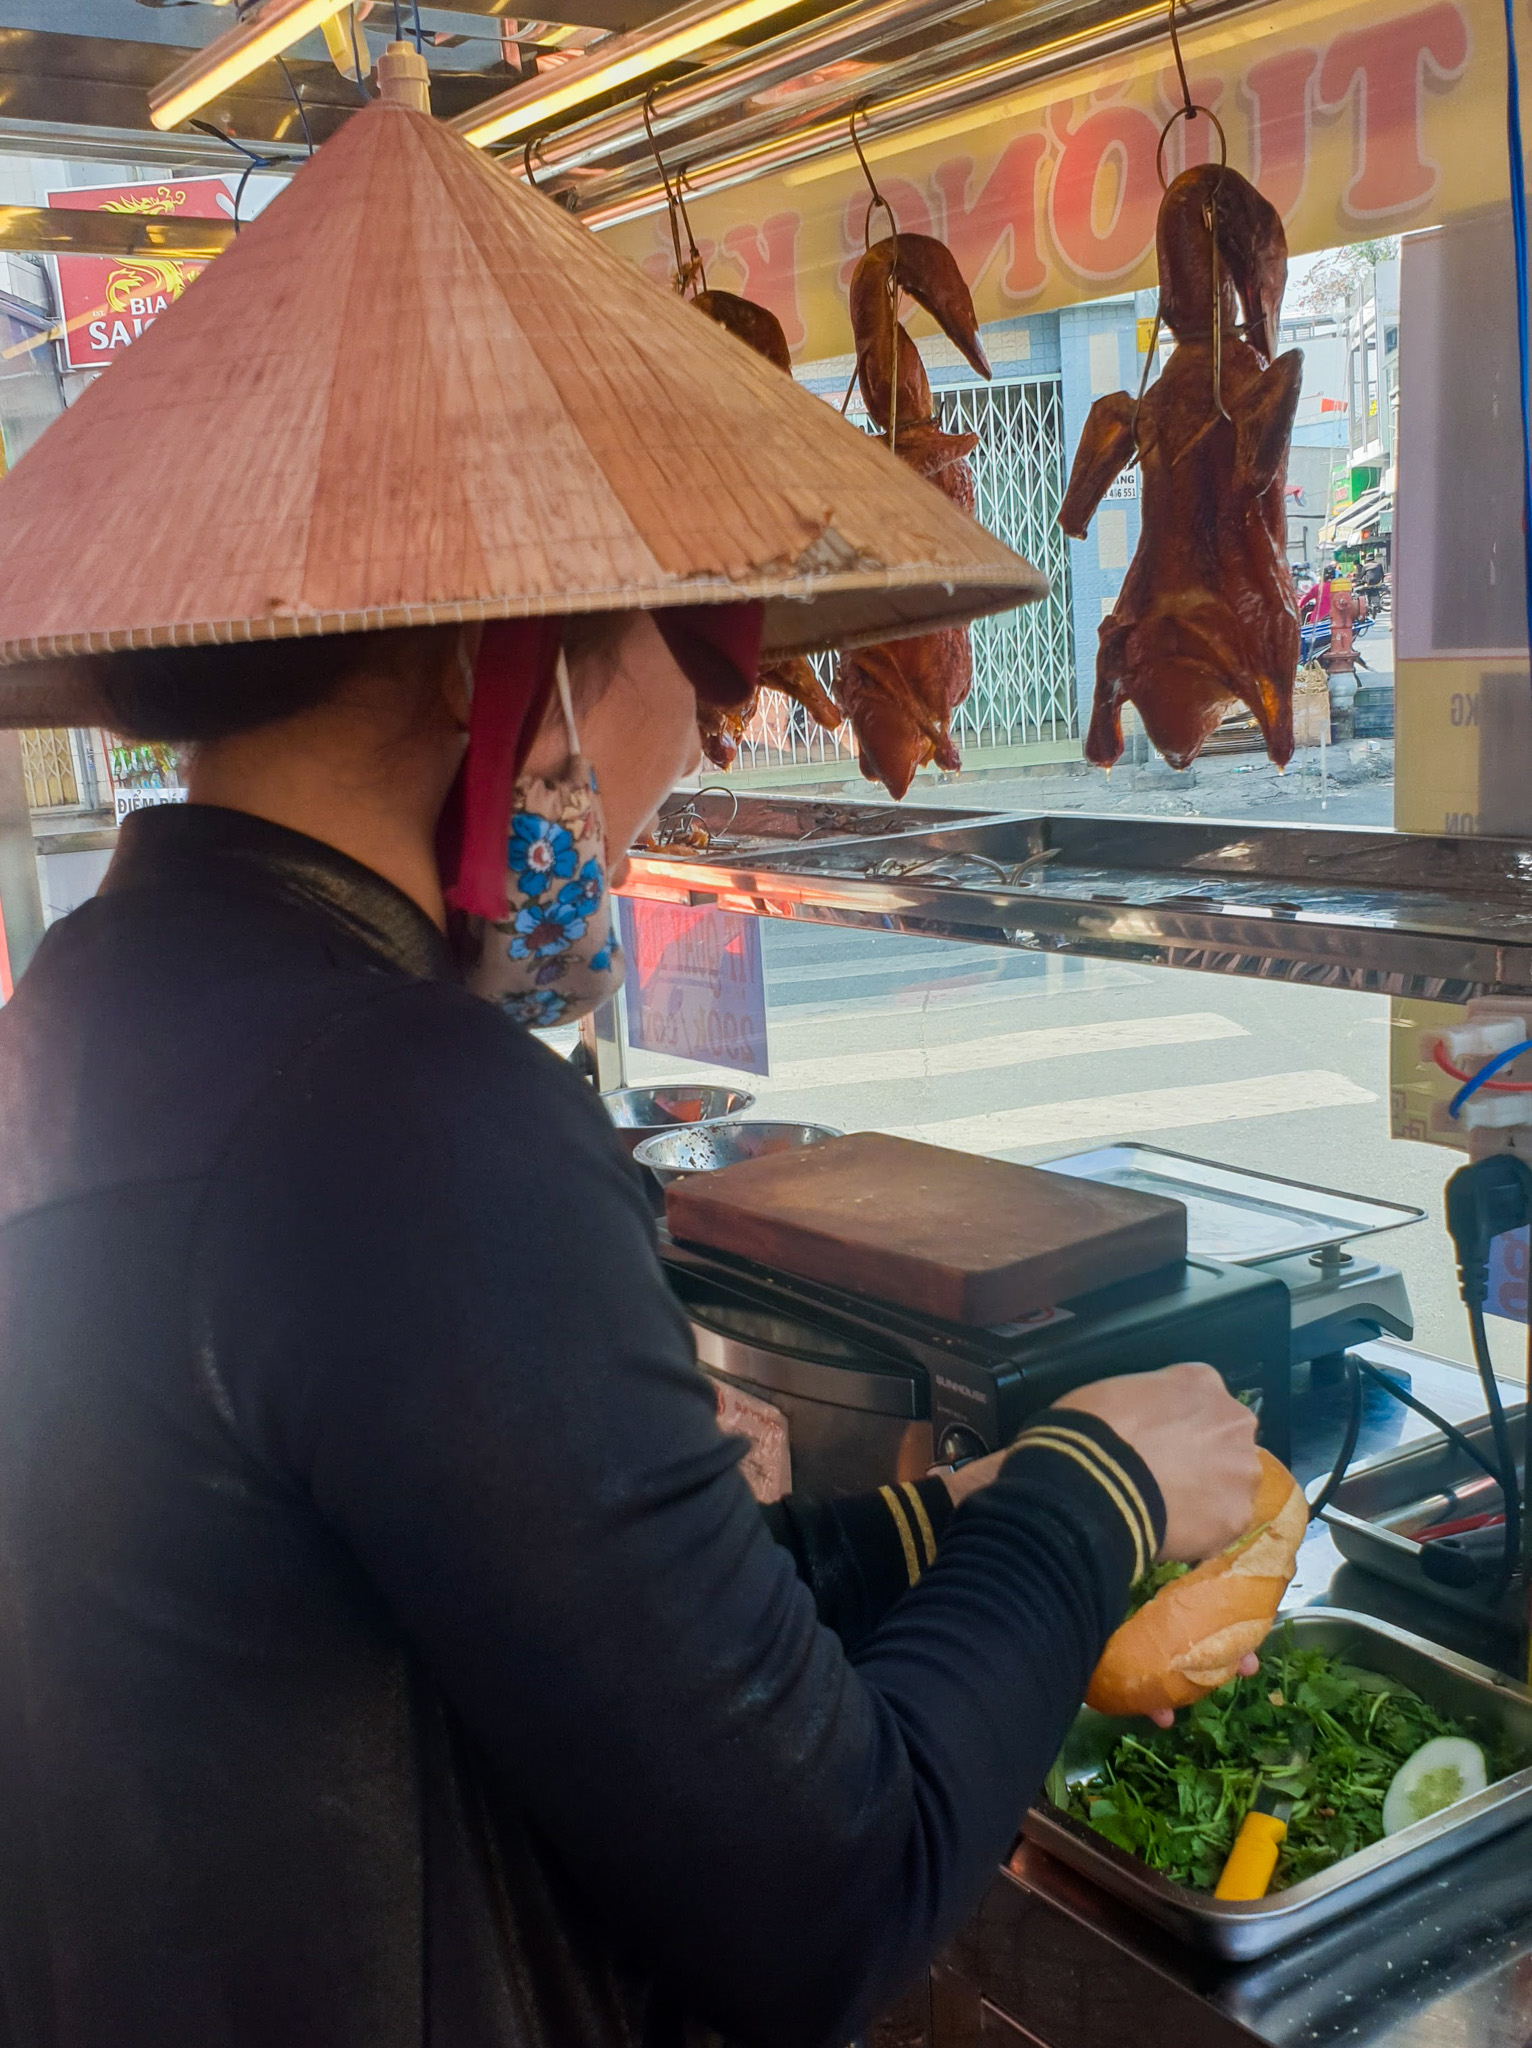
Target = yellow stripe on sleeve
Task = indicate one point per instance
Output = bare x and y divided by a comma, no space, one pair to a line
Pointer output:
1051,1440
1118,1471
1121,1474
895,1507
911,1493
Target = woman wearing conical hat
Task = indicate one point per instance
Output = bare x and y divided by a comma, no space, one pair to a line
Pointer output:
390,1650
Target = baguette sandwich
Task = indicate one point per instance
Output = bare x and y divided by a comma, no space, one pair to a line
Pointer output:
1188,1638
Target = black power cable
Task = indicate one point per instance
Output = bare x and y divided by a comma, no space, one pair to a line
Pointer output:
1455,1436
253,163
1348,1442
308,133
1485,1199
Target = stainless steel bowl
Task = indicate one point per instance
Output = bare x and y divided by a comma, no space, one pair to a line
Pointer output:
712,1146
640,1113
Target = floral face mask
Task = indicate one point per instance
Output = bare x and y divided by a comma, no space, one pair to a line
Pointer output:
552,958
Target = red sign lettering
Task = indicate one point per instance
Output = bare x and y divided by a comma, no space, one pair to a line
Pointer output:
1105,192
1276,97
1384,70
1001,214
768,256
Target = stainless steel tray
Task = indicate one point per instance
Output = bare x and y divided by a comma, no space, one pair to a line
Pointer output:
1240,1931
735,824
1371,910
1231,1214
1378,1507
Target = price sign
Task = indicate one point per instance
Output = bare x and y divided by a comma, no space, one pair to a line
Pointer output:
695,985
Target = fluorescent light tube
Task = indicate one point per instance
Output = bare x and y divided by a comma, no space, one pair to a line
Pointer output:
618,61
262,35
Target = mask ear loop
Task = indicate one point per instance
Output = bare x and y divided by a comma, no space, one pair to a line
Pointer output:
566,703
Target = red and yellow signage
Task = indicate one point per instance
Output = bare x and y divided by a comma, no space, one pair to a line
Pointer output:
106,302
1356,120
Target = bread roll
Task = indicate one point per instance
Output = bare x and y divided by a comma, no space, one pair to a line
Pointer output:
1190,1637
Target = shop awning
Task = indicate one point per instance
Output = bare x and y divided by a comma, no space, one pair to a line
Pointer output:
1372,513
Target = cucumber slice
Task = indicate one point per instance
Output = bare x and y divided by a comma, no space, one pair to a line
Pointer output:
1440,1773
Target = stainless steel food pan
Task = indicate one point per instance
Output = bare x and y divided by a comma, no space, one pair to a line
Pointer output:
1380,1507
1467,1691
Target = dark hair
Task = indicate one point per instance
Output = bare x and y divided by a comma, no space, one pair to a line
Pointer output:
594,641
190,694
186,695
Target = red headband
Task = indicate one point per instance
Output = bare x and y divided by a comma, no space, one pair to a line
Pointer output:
717,647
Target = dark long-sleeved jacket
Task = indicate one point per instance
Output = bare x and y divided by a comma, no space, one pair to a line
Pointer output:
390,1651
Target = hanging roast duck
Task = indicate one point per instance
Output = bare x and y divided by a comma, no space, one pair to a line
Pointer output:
1207,617
900,697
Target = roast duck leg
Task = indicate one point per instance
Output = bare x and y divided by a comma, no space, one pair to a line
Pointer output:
1207,617
722,731
900,696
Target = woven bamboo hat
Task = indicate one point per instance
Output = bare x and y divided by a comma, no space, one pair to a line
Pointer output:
414,392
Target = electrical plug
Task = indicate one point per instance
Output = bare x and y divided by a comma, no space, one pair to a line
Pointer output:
1485,1199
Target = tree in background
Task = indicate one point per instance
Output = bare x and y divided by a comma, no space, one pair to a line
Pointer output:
1333,276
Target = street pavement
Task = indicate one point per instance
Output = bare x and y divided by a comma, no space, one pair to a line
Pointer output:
1349,784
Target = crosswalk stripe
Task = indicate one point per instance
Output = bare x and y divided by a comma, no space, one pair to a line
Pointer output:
1003,1049
1152,1109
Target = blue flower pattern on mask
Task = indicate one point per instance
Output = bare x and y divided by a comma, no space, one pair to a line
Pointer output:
556,938
543,929
540,852
586,889
538,1010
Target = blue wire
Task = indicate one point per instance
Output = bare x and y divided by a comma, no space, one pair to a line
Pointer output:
1519,240
1487,1073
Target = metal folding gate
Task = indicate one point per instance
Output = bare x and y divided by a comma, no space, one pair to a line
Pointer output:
1024,682
1023,661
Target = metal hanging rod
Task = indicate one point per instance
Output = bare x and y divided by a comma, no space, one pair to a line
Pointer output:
849,32
905,95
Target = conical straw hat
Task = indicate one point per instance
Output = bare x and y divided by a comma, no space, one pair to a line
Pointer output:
415,392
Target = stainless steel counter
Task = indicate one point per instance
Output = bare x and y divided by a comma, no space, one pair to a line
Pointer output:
1377,911
1050,1962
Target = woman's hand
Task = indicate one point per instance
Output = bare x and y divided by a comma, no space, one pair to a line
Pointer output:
1197,1440
962,1480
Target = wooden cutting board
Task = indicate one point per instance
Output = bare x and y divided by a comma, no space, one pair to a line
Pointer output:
972,1240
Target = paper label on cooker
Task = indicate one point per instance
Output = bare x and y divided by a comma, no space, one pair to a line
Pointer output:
767,1464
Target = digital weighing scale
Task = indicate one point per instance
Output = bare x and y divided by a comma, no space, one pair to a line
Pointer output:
1296,1232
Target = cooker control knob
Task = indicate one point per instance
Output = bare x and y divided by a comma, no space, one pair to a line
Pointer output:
958,1443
